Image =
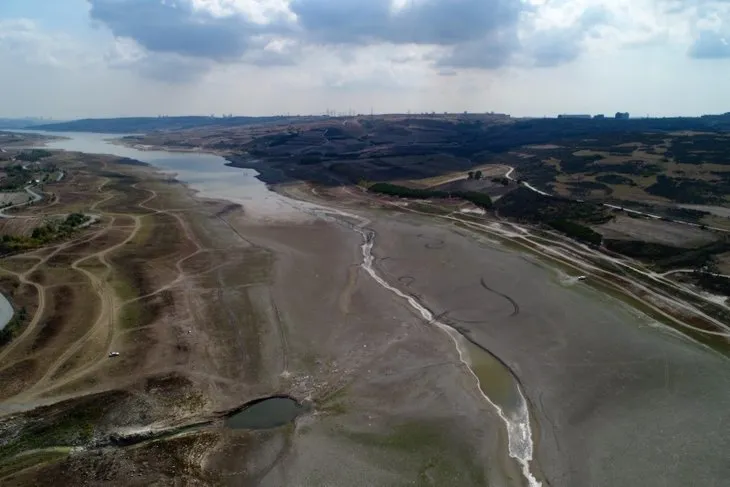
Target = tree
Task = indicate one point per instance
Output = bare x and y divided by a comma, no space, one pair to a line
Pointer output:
478,175
470,175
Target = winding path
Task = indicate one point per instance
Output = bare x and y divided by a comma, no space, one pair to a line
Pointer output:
35,197
615,207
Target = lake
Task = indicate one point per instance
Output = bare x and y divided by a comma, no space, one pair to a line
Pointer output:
206,173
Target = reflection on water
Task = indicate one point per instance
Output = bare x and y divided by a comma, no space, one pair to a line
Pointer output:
6,311
205,173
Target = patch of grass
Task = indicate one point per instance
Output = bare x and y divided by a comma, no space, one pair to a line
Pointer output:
129,315
42,235
334,402
12,465
426,453
33,155
526,205
334,409
70,423
145,230
665,257
480,199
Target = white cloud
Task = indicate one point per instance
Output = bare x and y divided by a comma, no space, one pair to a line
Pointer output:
264,56
24,42
258,11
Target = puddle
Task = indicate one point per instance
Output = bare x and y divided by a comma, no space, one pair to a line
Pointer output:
266,413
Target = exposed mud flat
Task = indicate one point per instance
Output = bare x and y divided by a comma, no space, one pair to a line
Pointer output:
579,391
592,370
253,307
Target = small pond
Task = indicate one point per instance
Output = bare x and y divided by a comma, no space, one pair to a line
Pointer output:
266,413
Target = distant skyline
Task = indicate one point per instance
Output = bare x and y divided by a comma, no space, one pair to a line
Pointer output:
108,58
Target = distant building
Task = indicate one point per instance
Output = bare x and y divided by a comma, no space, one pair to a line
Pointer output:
573,116
622,115
600,116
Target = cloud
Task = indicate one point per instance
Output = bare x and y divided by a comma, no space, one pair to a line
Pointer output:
181,40
560,45
710,45
185,36
479,34
490,52
529,43
436,22
176,26
167,67
24,42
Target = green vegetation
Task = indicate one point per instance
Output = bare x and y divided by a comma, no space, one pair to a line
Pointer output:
585,187
666,257
712,282
424,448
684,214
700,149
16,178
33,155
70,423
14,326
526,205
42,235
405,192
576,231
479,199
562,214
689,190
642,250
615,179
10,466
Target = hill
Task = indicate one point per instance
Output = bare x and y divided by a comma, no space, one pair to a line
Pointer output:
151,124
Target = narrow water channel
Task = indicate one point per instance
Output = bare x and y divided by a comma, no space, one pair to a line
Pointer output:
495,381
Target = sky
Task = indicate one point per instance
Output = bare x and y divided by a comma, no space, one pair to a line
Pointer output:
70,59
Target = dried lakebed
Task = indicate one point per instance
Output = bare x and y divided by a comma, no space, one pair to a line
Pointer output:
587,393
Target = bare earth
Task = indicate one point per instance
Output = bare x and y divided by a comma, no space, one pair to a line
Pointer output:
210,308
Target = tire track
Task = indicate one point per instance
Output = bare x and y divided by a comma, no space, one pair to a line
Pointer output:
515,306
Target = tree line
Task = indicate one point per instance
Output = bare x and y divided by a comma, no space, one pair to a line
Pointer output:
481,200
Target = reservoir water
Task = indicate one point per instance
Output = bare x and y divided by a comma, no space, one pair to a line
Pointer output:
206,173
6,311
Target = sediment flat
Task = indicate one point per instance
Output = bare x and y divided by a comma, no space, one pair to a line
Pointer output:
214,303
616,397
210,307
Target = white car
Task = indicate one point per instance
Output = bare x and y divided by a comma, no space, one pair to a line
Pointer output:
113,354
582,278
